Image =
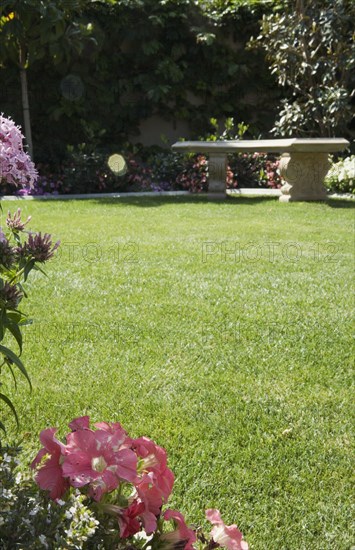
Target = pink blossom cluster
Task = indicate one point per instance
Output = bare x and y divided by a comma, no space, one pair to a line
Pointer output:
16,166
127,478
195,176
139,175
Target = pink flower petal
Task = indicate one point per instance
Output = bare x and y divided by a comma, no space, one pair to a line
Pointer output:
227,536
126,461
49,476
181,534
213,516
80,423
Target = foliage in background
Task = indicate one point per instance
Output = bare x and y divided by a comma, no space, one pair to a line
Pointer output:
311,51
189,65
341,176
150,169
158,169
31,30
87,76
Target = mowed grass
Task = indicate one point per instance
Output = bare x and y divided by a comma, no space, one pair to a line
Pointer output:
221,330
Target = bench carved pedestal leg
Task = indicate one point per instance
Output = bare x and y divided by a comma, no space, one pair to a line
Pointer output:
304,174
217,170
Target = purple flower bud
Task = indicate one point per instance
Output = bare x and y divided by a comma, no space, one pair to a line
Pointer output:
7,253
10,296
39,248
15,223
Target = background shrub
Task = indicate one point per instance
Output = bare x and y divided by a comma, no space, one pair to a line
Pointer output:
341,176
178,59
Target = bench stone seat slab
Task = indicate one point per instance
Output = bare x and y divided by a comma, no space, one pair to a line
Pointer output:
304,162
234,146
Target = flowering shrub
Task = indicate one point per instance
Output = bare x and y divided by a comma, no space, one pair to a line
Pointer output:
27,516
341,176
80,173
253,170
243,170
106,490
139,174
47,183
18,257
16,167
150,169
166,166
194,177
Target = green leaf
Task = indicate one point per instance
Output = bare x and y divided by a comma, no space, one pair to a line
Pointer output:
23,292
16,237
37,268
122,501
15,316
10,405
13,375
28,267
15,331
14,359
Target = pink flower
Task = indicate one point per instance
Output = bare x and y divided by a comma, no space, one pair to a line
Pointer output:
149,521
150,494
155,481
80,423
155,461
99,459
181,536
50,475
16,166
128,523
113,427
228,537
154,456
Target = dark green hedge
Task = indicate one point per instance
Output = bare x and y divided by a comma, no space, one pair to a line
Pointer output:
176,59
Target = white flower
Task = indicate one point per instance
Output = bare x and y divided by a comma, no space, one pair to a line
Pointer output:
7,493
35,510
69,533
43,540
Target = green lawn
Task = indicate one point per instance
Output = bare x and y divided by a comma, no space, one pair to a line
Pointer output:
222,331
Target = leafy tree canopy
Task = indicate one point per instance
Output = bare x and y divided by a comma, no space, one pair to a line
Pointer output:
310,48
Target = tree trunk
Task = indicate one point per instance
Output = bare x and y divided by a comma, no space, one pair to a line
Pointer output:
25,104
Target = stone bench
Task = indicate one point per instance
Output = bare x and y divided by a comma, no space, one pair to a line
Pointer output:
304,163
